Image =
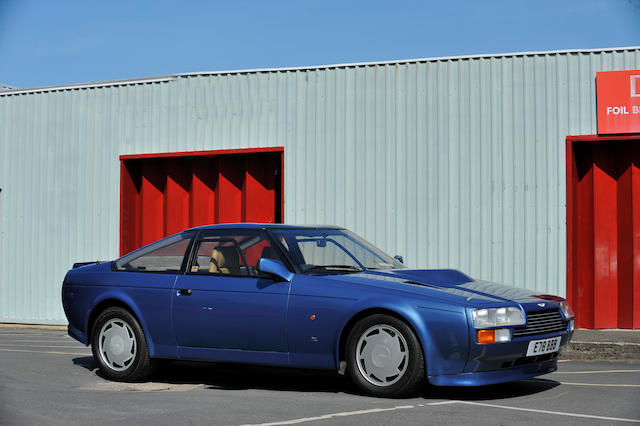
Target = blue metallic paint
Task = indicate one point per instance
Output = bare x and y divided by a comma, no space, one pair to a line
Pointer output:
492,377
301,322
147,295
276,268
231,313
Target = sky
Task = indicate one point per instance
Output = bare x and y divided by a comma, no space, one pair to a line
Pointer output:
49,43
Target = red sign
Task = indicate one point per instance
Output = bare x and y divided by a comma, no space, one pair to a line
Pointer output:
618,103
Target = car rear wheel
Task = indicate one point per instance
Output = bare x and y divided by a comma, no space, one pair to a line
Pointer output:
119,346
384,357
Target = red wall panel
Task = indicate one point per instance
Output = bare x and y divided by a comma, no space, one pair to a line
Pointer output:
625,248
229,190
176,200
162,194
584,242
152,201
202,192
605,238
635,202
259,191
130,183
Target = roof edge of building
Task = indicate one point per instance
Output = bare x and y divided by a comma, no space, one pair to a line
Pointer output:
167,78
5,87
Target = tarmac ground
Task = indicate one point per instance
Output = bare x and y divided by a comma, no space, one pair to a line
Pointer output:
48,378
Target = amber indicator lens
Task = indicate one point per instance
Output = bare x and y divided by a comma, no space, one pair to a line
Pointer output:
486,336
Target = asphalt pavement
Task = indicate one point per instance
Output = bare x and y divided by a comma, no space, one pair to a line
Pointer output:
47,378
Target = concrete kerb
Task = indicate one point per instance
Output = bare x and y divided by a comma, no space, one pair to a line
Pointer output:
604,344
609,351
34,326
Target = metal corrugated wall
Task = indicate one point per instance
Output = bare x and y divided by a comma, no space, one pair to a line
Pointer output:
454,162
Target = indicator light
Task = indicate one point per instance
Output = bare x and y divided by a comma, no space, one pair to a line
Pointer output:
497,335
486,336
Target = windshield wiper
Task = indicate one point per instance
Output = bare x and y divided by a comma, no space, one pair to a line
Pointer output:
333,268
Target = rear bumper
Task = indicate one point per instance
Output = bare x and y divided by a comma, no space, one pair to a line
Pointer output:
77,334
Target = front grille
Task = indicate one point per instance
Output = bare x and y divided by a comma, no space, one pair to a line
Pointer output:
541,322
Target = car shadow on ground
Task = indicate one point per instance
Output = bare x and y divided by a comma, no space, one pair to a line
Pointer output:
243,377
490,392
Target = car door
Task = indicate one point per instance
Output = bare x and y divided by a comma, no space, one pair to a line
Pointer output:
145,278
222,302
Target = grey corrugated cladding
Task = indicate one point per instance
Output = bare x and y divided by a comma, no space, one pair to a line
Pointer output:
451,162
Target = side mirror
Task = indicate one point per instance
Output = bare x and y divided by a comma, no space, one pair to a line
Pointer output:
274,267
398,258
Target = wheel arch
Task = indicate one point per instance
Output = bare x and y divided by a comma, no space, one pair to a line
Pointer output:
109,301
412,321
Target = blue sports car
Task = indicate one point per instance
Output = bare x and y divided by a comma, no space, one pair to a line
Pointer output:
310,297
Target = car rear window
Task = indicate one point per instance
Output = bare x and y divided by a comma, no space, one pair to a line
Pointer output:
166,255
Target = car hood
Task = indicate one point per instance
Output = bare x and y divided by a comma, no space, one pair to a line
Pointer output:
452,283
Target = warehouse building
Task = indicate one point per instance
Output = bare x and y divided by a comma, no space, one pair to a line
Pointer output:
518,168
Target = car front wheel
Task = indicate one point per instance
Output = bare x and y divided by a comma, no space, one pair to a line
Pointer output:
384,357
119,346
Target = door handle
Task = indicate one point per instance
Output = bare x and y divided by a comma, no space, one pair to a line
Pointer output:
184,292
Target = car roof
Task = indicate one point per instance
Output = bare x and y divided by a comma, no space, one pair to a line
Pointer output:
263,226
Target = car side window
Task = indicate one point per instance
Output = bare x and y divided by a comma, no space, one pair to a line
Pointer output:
166,255
235,253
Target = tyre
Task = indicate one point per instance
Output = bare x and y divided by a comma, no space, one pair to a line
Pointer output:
119,346
384,357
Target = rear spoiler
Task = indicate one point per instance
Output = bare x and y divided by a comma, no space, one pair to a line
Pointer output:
79,264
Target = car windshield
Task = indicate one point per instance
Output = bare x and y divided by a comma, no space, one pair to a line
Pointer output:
331,251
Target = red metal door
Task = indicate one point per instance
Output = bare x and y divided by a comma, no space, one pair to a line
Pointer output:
161,194
603,231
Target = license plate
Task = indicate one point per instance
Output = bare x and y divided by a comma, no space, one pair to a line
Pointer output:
543,346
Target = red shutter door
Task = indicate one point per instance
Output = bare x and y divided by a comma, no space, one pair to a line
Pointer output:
162,194
603,229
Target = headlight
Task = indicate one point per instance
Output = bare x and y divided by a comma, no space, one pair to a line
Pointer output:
497,317
566,310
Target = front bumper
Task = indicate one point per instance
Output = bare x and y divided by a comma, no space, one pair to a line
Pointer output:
493,363
482,378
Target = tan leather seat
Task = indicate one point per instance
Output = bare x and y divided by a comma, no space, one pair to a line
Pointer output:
224,260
